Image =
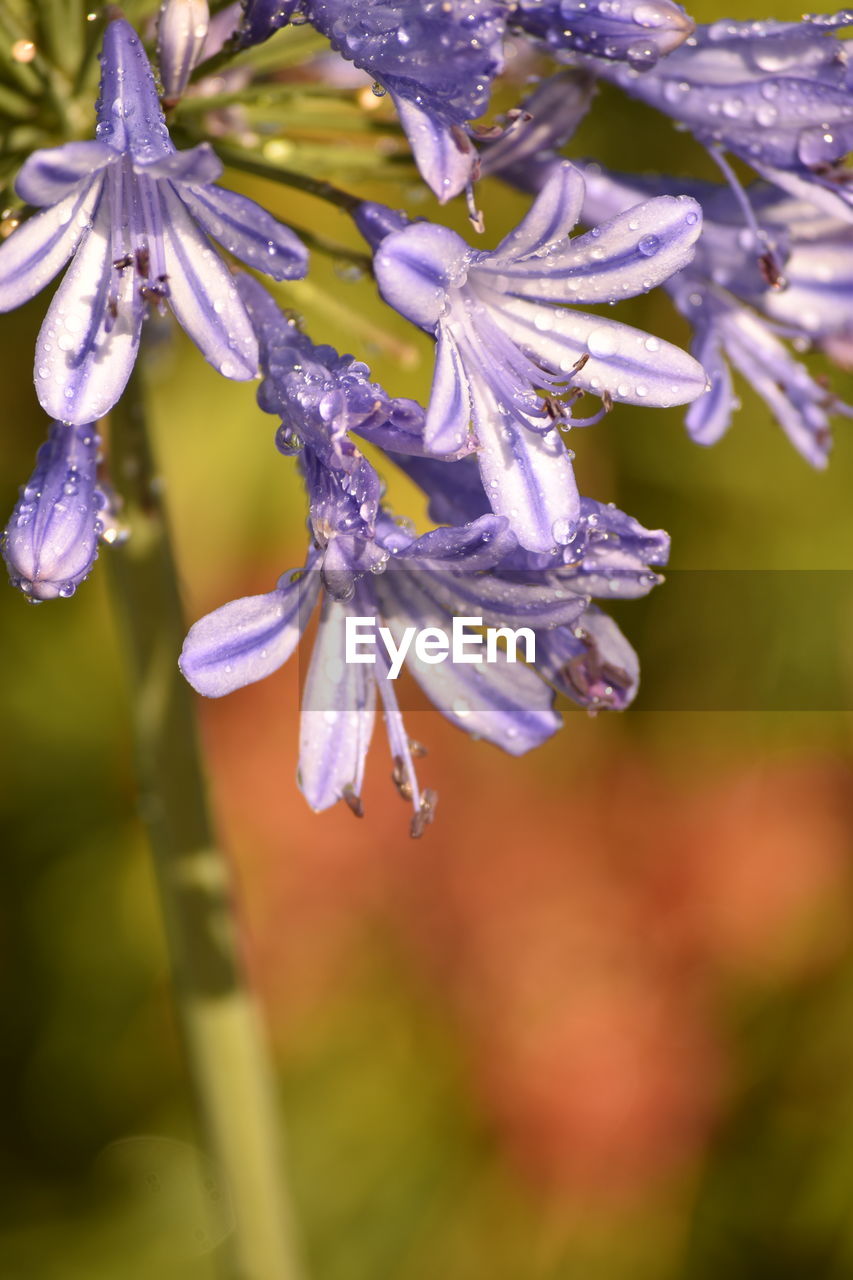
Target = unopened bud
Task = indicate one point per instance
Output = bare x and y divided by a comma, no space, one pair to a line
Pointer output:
51,540
181,33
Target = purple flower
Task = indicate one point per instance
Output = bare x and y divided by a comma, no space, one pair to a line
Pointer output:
427,581
778,94
135,214
637,33
502,337
51,540
436,58
611,556
319,397
733,279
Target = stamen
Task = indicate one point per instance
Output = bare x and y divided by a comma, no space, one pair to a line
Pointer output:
769,262
424,815
353,800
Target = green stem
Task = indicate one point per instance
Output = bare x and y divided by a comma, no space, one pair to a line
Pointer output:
238,159
223,1036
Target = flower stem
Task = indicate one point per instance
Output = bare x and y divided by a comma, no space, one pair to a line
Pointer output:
238,159
220,1024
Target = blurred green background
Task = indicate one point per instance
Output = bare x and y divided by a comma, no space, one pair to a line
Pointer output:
598,1023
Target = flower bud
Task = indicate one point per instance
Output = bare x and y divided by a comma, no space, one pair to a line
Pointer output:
181,33
51,540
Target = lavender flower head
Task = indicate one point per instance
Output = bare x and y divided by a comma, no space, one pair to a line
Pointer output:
363,564
51,540
502,337
135,214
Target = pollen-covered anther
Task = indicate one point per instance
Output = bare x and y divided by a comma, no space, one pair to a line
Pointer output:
425,814
400,778
353,801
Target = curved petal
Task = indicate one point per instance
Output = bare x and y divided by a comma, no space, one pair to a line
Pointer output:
415,268
449,409
591,663
504,702
246,640
41,246
443,153
479,544
52,174
130,117
527,475
625,362
248,231
709,416
203,296
199,164
630,254
800,405
541,601
549,219
338,712
51,540
90,336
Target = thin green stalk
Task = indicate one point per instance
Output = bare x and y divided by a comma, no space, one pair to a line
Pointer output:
238,159
224,1040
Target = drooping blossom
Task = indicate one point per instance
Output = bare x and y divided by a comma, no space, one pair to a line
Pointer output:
436,58
51,540
745,309
506,702
638,32
135,214
777,94
362,563
502,337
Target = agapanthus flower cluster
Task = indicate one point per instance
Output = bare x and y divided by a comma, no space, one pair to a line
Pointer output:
362,563
526,349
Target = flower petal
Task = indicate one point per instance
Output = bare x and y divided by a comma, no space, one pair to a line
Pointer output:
540,601
799,404
709,416
248,231
199,164
625,362
416,266
53,173
527,474
338,712
550,218
449,409
51,541
630,254
443,153
130,117
41,246
90,336
504,702
203,296
246,640
479,544
592,663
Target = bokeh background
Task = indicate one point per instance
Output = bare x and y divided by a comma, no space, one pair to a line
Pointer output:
598,1023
